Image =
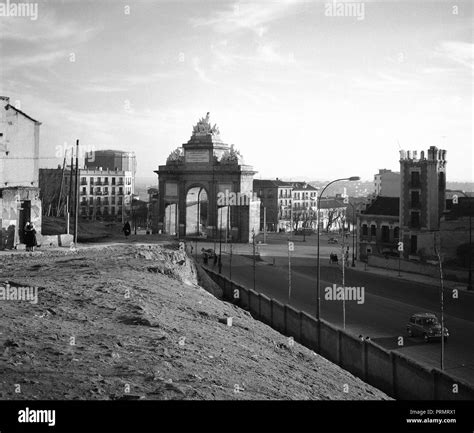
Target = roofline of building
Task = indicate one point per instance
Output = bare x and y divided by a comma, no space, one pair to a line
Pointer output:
8,106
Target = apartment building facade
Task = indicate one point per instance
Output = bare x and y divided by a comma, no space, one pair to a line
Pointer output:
105,194
19,174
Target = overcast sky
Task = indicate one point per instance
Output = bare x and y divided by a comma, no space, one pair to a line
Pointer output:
299,93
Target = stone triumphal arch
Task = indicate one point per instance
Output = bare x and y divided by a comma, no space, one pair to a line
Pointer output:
196,186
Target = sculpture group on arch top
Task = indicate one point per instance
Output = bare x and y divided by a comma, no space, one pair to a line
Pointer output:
203,127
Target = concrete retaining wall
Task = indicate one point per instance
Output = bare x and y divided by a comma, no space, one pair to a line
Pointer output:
265,309
309,331
254,303
329,343
293,323
352,354
412,380
379,367
395,374
278,317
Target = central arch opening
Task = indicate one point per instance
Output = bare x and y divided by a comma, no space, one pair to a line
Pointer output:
197,207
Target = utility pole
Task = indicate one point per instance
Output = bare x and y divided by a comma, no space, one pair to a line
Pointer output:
291,247
437,251
264,225
230,262
67,215
70,189
220,239
343,276
254,260
76,202
58,209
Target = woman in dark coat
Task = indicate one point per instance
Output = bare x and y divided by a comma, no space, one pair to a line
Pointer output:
127,229
30,237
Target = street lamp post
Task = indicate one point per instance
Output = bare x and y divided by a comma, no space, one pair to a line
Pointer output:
354,257
438,253
318,300
254,261
220,241
198,212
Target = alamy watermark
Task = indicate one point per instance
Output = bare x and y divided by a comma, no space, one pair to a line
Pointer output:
85,152
21,293
229,198
12,9
341,8
37,416
339,293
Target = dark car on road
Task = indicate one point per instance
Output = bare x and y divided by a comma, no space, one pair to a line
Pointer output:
425,325
332,241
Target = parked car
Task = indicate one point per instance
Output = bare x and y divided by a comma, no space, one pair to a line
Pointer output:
332,241
426,325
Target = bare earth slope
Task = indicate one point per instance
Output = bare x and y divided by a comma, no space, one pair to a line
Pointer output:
128,321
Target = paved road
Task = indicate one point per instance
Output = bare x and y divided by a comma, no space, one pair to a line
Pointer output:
389,302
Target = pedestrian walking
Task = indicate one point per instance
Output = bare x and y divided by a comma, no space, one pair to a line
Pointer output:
127,229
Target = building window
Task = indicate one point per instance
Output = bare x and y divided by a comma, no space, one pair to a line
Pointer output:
91,179
365,230
415,219
113,181
91,190
385,234
91,200
396,233
415,179
415,199
413,244
373,230
442,181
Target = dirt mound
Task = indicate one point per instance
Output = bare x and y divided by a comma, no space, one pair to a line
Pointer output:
107,327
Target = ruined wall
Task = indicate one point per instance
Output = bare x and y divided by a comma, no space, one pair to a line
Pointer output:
14,213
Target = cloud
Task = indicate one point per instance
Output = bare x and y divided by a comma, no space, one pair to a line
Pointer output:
458,52
196,63
27,60
247,16
47,28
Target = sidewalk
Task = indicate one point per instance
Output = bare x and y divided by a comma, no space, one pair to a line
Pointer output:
409,276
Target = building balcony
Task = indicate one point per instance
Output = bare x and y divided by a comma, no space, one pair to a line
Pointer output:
83,182
83,192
